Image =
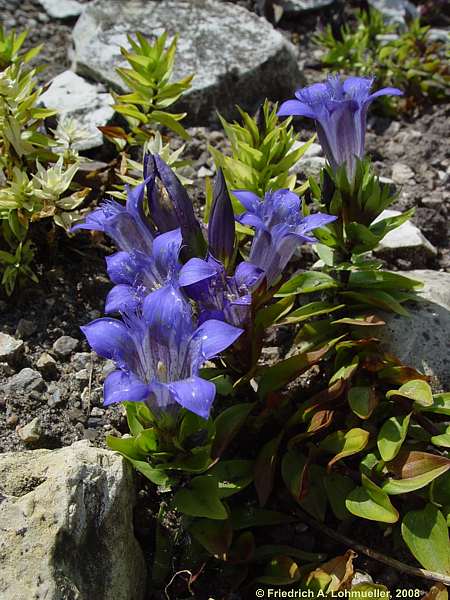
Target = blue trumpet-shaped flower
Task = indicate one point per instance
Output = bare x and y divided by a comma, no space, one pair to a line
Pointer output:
126,225
159,354
280,228
221,226
219,296
137,274
339,109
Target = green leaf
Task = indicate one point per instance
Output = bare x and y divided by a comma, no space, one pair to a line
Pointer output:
265,469
362,400
147,441
414,470
313,309
245,517
345,443
306,283
370,502
126,446
425,533
265,552
214,536
270,314
153,474
282,570
440,405
392,435
232,475
278,375
201,499
443,439
338,487
416,390
384,280
379,299
228,424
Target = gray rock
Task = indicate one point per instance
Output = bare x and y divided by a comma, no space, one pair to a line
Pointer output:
82,360
395,11
62,9
402,174
439,35
407,241
294,7
56,397
82,376
10,348
238,57
31,432
422,341
25,381
66,526
46,364
65,345
25,328
86,104
311,166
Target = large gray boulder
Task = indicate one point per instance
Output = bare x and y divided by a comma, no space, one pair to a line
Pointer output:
238,57
422,340
66,528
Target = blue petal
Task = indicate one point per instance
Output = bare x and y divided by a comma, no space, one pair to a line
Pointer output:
120,386
123,267
251,220
249,200
314,221
248,275
122,298
195,394
214,337
387,91
168,315
196,270
111,339
166,249
296,108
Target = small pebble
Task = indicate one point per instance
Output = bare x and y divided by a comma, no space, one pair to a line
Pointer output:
46,364
65,345
82,360
10,348
31,432
82,375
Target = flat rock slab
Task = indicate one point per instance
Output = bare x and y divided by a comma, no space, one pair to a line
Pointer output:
395,11
238,57
296,7
62,9
88,105
422,341
66,526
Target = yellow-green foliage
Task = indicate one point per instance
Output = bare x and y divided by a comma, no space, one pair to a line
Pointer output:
263,150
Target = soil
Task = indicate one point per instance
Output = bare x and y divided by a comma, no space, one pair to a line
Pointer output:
73,284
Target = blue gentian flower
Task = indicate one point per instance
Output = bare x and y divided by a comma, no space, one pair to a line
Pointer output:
339,109
228,298
159,353
221,226
126,225
137,274
170,206
280,228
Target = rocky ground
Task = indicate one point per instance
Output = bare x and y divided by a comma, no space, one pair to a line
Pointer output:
50,383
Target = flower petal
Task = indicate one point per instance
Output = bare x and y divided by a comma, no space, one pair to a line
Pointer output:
249,200
214,337
196,270
248,275
297,109
195,394
387,91
168,315
166,249
122,298
111,339
120,386
314,221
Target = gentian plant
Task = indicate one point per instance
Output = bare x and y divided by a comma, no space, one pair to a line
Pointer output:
236,443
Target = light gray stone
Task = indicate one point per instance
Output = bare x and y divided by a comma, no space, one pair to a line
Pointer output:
31,432
46,364
311,166
402,174
66,526
25,328
62,9
395,11
25,381
86,104
65,345
295,7
422,340
82,360
237,57
10,348
406,238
